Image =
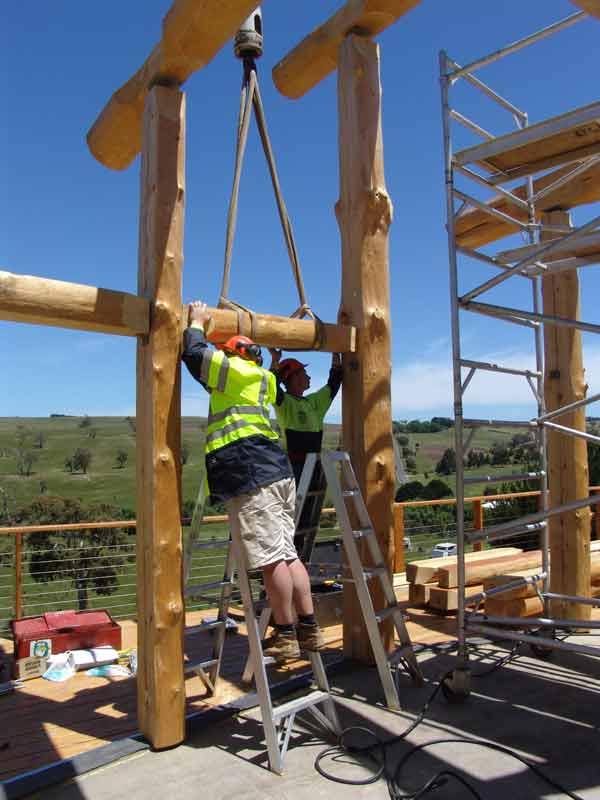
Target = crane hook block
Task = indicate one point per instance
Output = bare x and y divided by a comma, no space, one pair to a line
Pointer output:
249,38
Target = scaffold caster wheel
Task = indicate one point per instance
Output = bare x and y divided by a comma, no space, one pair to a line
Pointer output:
456,687
539,651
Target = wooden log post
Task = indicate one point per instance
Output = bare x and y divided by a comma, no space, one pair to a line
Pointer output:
569,533
478,521
364,213
160,680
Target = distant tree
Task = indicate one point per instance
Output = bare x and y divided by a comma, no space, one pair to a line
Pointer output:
131,422
43,487
413,490
85,422
411,464
21,435
90,560
69,464
402,440
121,458
38,440
185,454
92,433
447,463
25,461
500,453
594,463
490,490
436,490
82,458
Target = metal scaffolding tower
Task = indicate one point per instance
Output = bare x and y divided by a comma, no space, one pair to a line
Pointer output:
570,141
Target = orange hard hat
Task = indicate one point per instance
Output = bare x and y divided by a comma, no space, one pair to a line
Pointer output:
288,367
242,346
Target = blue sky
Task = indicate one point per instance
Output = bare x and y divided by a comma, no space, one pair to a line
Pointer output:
64,216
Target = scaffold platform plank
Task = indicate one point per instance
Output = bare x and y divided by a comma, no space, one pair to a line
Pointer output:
550,143
584,247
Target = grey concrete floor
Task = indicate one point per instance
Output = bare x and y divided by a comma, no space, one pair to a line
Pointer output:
546,711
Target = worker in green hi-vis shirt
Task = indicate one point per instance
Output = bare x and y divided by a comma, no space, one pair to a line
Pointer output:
300,416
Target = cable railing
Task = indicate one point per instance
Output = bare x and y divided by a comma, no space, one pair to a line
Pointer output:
57,574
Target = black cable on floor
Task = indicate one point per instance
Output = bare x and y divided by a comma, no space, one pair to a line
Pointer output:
380,746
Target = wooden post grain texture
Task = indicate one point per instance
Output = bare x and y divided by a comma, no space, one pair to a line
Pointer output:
399,565
160,680
591,6
316,56
564,383
364,213
41,301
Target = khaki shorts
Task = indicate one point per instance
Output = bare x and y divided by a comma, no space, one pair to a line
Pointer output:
264,518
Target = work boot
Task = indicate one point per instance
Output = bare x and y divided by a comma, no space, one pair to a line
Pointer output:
310,637
282,646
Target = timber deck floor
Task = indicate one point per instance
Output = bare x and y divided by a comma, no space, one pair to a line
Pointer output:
46,722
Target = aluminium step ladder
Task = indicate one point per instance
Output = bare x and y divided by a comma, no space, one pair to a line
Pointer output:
277,720
387,663
344,488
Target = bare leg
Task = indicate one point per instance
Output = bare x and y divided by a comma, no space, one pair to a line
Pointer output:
280,591
302,596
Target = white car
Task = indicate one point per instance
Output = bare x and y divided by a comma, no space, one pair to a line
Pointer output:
443,549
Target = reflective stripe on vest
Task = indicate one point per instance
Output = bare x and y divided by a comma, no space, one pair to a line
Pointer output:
239,425
237,410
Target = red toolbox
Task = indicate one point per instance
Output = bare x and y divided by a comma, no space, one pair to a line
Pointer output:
58,631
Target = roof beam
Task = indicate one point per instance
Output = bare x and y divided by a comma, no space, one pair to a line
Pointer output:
193,32
591,6
317,55
41,301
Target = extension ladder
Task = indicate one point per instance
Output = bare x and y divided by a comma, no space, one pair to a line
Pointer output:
277,720
387,663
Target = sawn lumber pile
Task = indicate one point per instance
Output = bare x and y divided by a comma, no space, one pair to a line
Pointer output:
433,582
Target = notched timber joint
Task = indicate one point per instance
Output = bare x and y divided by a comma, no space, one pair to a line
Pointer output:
379,210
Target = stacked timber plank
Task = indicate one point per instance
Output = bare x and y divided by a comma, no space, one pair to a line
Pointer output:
434,582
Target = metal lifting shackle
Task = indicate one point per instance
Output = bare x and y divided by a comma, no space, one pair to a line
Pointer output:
248,42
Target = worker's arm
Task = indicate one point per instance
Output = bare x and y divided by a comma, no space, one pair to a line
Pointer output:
335,374
209,367
275,359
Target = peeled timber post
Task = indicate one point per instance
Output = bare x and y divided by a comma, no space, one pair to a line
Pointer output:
364,214
160,679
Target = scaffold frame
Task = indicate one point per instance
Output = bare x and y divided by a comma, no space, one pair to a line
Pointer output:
530,262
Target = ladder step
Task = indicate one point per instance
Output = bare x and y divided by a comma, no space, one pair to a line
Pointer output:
209,545
298,704
388,612
196,665
199,588
205,626
374,572
360,533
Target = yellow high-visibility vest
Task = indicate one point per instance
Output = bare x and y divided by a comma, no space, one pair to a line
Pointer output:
240,395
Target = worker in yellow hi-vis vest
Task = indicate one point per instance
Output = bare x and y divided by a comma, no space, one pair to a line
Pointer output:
248,470
300,417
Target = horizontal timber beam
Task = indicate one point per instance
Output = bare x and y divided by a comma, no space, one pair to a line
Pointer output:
591,6
41,301
286,333
475,228
317,55
193,32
